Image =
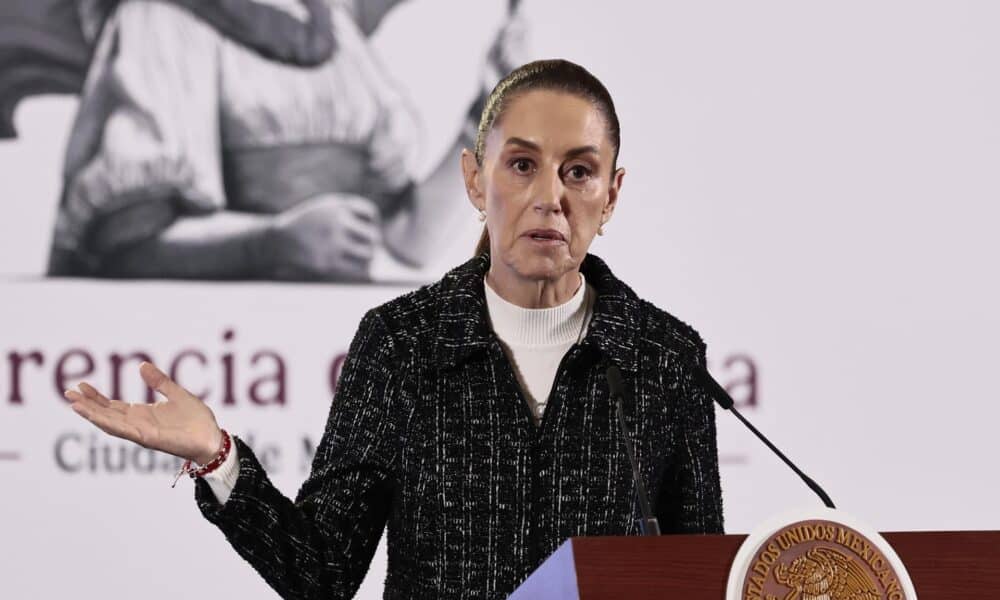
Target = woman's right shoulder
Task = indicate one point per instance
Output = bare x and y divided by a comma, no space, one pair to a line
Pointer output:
410,318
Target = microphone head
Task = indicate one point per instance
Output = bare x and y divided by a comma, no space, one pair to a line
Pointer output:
615,383
710,385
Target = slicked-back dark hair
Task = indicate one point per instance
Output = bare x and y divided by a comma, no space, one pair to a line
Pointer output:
556,75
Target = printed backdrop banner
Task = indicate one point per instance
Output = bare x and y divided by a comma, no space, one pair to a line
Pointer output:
812,186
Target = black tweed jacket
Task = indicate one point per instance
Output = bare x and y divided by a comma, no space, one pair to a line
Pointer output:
430,435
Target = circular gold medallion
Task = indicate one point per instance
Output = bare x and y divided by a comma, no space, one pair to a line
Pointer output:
818,559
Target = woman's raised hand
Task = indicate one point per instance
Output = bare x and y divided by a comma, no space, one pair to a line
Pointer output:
181,425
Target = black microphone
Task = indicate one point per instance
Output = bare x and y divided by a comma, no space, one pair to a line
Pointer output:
649,524
720,395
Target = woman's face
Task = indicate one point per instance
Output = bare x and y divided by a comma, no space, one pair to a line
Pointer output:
545,183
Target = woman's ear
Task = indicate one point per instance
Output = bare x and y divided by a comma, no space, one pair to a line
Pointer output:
613,189
471,174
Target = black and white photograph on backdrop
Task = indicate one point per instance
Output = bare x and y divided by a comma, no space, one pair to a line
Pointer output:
239,141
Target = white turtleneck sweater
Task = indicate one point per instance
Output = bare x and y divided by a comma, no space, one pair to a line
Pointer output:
534,339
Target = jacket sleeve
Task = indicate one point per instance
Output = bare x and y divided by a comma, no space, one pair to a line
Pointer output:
320,545
690,498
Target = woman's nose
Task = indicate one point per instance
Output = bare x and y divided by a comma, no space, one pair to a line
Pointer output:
550,195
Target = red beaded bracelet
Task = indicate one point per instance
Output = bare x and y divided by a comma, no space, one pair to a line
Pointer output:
220,457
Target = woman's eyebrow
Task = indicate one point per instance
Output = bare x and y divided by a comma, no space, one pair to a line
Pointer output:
589,149
516,141
582,150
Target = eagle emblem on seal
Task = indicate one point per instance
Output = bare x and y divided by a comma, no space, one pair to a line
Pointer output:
825,574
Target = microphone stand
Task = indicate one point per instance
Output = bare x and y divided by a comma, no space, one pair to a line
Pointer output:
648,525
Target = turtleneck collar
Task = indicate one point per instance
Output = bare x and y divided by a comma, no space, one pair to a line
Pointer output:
519,326
463,327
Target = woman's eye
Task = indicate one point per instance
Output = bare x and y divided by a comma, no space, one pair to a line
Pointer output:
578,172
521,165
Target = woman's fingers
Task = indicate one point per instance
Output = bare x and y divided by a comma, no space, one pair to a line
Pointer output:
119,406
96,397
91,392
159,381
115,424
106,419
76,398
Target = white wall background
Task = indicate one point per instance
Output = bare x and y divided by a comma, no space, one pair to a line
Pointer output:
814,184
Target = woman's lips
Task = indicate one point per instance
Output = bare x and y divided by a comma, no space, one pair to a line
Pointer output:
548,237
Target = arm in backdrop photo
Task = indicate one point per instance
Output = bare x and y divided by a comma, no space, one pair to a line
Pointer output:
144,193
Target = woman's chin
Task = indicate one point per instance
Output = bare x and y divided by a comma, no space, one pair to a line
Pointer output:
543,265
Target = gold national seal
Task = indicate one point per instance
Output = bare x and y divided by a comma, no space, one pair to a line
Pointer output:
820,560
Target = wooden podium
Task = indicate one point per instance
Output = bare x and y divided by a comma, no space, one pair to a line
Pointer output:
943,565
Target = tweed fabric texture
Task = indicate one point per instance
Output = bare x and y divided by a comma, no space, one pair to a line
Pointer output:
429,436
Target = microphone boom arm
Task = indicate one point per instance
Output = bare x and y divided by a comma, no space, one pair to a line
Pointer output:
720,395
649,524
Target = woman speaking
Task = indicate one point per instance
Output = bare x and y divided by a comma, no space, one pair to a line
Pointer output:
472,417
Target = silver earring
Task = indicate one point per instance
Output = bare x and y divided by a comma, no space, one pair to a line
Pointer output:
482,215
600,229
